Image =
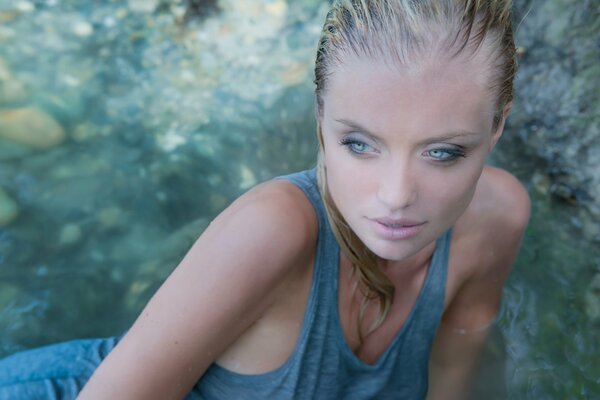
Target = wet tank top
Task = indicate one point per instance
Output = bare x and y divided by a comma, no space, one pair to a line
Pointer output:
322,366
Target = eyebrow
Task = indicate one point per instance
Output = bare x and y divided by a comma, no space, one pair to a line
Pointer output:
447,136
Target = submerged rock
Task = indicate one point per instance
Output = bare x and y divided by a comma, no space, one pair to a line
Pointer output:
8,209
12,90
592,299
199,8
82,28
31,127
10,150
143,6
69,234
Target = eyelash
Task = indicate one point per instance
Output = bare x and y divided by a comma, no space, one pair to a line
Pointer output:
348,143
453,153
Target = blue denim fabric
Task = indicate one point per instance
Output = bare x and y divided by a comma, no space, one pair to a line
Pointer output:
55,372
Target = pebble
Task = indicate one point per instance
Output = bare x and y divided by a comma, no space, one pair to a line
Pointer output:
541,182
69,234
248,178
31,127
8,15
277,8
12,90
24,6
110,217
82,28
8,208
84,131
143,6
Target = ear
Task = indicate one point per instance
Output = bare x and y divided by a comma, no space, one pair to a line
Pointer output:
500,128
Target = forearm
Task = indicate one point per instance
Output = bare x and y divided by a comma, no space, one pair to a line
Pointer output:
453,360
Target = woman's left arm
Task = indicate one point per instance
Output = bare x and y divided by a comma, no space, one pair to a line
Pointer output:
500,226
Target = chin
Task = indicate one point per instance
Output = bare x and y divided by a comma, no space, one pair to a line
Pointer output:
393,251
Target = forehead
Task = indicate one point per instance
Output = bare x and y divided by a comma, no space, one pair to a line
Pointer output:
433,96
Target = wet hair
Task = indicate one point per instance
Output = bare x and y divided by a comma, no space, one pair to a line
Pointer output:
401,32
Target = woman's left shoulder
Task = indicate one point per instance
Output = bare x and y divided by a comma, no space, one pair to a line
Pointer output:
485,244
501,204
495,220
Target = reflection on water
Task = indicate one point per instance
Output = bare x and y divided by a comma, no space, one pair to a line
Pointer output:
125,127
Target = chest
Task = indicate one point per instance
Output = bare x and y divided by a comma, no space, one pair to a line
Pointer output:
409,287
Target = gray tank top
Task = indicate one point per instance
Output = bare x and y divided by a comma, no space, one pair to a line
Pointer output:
322,366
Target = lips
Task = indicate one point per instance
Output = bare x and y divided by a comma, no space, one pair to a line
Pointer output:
395,229
402,222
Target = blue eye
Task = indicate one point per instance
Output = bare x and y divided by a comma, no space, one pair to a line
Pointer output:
356,146
445,154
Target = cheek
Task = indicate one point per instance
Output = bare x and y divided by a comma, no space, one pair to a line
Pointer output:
452,192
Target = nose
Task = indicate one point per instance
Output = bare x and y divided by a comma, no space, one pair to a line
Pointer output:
397,188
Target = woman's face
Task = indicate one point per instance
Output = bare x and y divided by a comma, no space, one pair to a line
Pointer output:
404,148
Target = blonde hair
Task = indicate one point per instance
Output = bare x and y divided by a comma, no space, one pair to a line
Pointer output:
400,31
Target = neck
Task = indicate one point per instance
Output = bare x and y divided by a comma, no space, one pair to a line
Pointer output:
408,266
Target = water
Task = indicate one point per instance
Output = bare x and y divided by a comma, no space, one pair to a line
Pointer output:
161,123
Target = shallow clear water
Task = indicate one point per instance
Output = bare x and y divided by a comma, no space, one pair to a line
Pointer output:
162,125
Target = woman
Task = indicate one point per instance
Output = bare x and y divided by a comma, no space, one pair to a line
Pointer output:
332,283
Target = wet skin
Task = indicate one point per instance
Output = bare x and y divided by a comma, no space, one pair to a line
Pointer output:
238,297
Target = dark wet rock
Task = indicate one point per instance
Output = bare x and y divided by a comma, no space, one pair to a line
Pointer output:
557,105
570,194
199,8
592,299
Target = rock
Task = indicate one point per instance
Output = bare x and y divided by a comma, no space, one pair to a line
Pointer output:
247,178
8,294
82,28
12,90
24,6
217,202
8,209
31,127
66,108
142,6
541,182
277,8
69,234
10,150
111,217
8,15
84,131
557,98
592,299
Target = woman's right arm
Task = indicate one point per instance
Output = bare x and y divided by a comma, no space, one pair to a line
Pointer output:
225,282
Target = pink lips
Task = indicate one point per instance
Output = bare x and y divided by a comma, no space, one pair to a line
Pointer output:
391,229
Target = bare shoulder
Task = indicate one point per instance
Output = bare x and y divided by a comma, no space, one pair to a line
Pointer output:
226,282
503,199
277,209
485,244
498,213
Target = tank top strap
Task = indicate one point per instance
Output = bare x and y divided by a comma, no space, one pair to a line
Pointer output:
431,302
307,182
327,252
